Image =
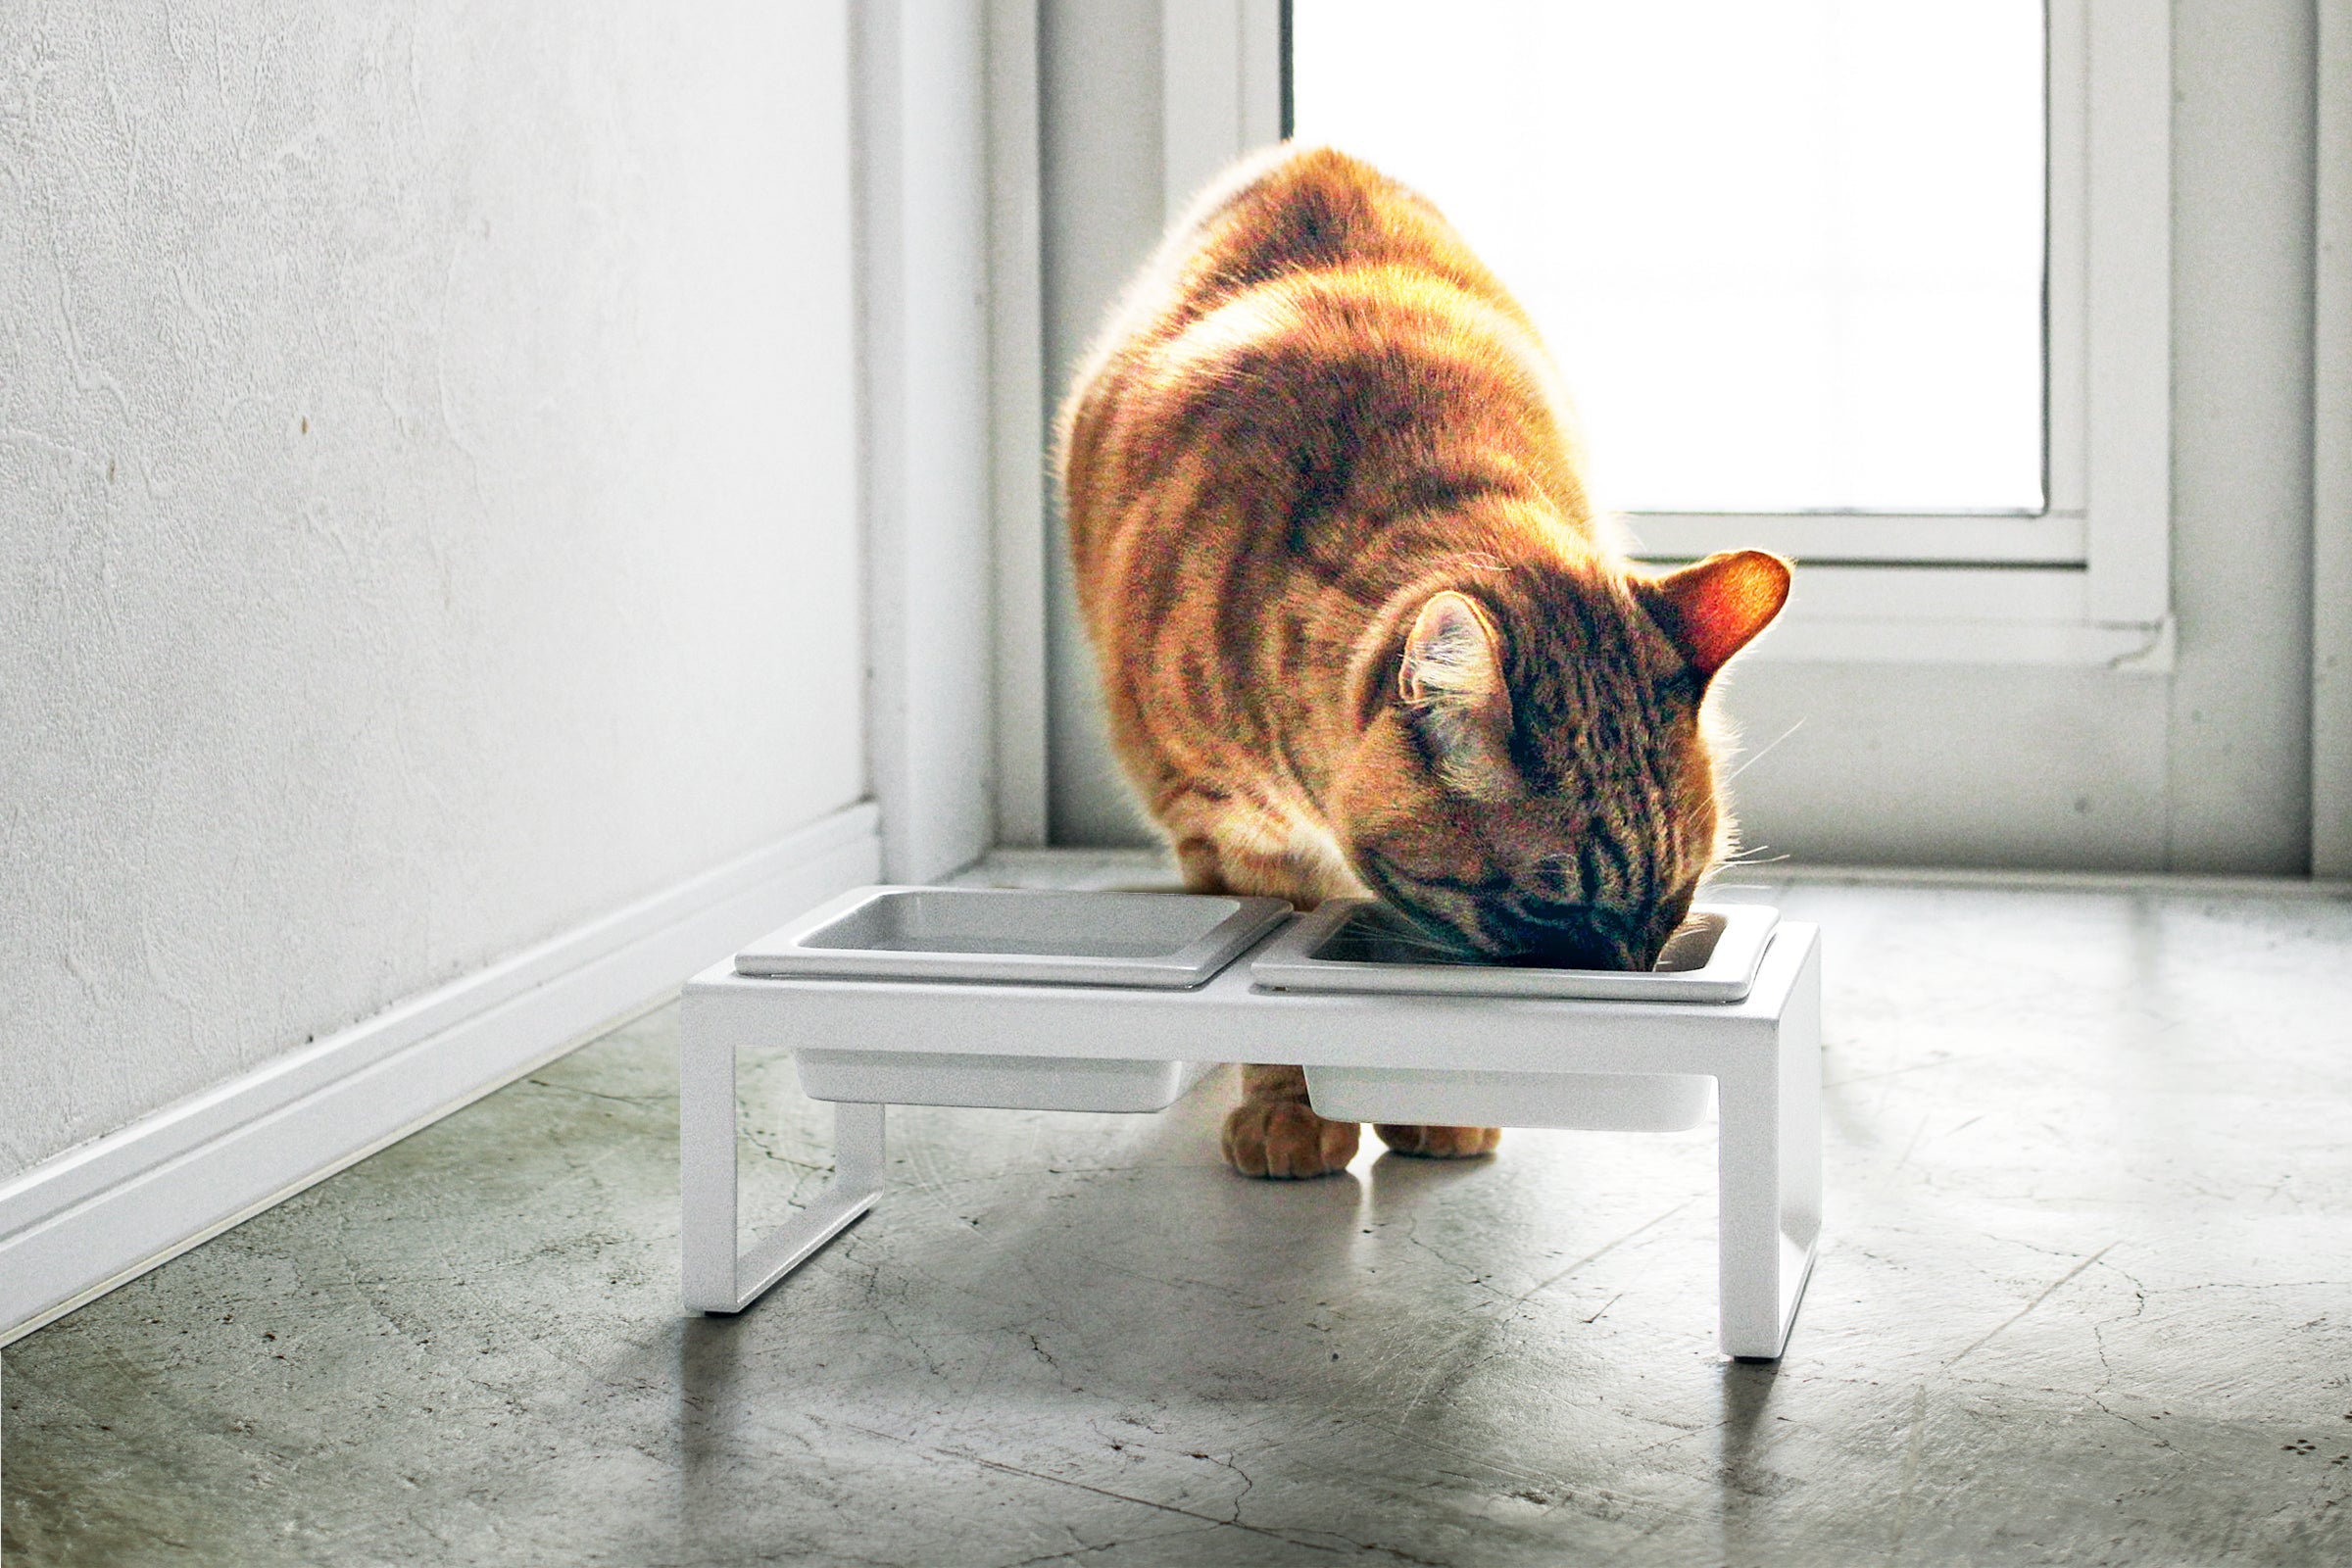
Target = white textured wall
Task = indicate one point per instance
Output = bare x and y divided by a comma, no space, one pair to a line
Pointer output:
426,488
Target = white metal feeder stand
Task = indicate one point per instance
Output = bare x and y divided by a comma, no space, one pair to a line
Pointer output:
1103,1002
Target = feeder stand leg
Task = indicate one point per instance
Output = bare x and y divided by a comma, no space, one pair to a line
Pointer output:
717,1277
1769,1169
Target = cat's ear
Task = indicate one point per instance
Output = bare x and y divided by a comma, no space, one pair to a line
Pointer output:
1713,608
1452,681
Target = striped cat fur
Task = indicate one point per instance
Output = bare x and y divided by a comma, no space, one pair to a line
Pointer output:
1358,624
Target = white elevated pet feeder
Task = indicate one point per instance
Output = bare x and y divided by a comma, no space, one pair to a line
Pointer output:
1103,1000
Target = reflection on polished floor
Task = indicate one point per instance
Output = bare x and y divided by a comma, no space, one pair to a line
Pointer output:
2086,1297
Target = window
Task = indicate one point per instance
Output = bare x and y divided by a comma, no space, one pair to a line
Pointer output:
1789,256
2018,513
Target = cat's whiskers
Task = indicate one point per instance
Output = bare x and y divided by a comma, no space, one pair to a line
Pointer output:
1399,929
1758,755
1435,950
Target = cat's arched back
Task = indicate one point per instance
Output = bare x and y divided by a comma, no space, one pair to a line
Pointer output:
1357,623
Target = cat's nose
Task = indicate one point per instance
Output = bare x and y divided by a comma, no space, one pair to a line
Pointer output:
1574,947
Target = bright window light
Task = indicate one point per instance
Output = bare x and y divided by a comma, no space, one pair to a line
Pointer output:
1789,256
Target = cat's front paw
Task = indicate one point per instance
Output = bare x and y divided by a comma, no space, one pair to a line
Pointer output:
1440,1142
1284,1138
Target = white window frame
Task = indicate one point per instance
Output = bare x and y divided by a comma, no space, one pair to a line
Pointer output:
2088,581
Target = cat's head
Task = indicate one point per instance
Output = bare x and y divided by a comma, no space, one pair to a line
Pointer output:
1533,780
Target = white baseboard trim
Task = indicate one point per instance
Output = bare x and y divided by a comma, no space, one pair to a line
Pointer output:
73,1227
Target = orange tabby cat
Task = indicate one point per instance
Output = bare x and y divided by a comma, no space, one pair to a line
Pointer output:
1358,623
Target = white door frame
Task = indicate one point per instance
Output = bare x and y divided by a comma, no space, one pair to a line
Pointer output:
2331,454
1018,392
921,121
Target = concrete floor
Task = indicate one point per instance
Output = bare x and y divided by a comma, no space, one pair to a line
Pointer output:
2086,1298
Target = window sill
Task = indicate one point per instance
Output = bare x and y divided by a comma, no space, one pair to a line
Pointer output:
2049,539
1965,615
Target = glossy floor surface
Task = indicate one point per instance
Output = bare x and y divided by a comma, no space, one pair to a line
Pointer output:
2086,1297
